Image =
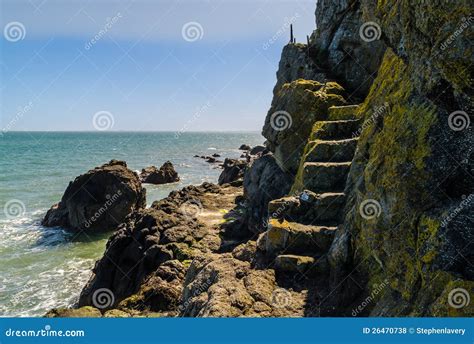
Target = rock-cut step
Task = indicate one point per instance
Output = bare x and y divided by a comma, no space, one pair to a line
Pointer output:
309,208
335,130
291,263
323,177
346,112
332,151
296,238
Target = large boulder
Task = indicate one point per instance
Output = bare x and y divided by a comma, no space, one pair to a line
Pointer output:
165,174
98,200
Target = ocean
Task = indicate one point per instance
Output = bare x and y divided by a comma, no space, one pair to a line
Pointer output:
42,268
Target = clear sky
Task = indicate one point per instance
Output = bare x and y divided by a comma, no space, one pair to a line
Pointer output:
148,65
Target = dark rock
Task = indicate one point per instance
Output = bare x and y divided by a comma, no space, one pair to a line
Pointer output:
245,147
264,181
258,149
98,200
166,174
233,170
215,155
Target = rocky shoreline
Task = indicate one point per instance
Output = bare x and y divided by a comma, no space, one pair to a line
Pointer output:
356,206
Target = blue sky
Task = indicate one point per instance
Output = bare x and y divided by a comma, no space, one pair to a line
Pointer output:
135,61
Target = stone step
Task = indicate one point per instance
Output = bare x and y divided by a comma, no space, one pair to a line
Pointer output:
309,208
296,238
290,263
322,177
336,151
346,112
334,130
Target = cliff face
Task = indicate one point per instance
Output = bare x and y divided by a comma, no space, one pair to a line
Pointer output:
415,163
407,229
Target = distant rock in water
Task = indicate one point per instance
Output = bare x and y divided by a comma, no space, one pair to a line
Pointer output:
245,147
98,200
166,174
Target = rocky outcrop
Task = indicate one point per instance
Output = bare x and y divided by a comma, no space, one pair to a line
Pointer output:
296,63
233,171
263,182
295,107
145,260
98,200
347,43
165,174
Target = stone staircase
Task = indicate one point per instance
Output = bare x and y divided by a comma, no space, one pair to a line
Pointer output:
301,227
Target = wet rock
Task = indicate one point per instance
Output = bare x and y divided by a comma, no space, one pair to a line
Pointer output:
245,147
258,149
165,174
98,200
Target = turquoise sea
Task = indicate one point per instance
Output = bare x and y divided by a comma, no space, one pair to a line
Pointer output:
42,268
